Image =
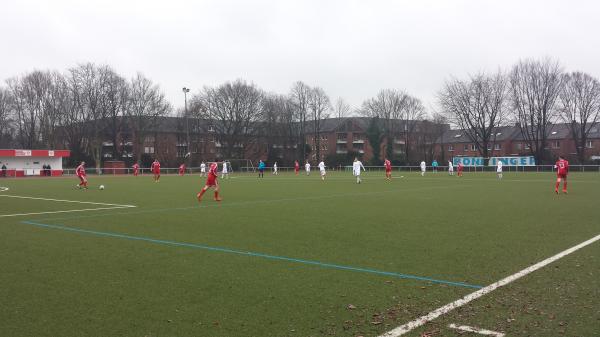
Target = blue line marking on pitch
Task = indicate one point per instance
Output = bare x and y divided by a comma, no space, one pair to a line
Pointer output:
266,256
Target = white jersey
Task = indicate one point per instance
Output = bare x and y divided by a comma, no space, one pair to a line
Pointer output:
356,166
307,167
423,166
321,166
225,168
499,166
203,168
450,166
275,167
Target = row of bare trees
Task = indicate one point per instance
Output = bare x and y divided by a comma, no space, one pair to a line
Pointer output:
533,94
77,109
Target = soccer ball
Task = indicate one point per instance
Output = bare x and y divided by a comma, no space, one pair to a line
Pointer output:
101,187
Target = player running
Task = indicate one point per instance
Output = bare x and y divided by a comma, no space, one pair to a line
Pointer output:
225,171
202,169
356,166
296,167
211,181
136,169
155,167
181,169
450,168
275,169
499,168
322,170
388,169
80,172
423,168
261,169
460,169
562,170
307,168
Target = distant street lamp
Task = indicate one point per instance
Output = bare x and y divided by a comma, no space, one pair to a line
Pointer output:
187,122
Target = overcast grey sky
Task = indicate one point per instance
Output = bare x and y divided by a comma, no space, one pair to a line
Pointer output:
350,48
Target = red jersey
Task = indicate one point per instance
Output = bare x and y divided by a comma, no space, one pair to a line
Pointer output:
136,167
155,166
80,171
562,167
388,165
296,165
211,180
460,166
182,168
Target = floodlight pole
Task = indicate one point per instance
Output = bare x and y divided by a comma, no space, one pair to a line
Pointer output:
187,122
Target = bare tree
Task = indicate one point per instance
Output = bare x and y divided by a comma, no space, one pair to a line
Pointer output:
477,106
387,106
341,108
114,101
579,107
277,121
235,108
146,104
6,117
319,105
412,113
300,96
535,86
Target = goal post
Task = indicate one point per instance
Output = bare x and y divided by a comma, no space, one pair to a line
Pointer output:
240,165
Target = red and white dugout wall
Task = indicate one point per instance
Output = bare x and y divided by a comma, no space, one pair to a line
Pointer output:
21,163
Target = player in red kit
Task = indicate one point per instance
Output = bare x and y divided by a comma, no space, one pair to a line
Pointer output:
136,169
460,169
80,172
562,170
388,169
211,181
155,167
181,169
296,167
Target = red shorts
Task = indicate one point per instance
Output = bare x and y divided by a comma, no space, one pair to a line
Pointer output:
211,181
82,178
157,171
388,170
562,176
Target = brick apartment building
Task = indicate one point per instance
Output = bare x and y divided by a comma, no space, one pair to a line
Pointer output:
509,141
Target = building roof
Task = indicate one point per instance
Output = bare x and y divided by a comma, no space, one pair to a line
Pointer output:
502,133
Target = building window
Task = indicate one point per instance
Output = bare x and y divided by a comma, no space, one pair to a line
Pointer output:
473,147
519,146
341,136
149,149
589,144
527,147
497,147
556,144
450,148
466,148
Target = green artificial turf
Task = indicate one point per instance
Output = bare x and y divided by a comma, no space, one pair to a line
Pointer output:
294,256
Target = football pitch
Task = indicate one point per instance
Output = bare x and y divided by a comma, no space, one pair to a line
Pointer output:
294,256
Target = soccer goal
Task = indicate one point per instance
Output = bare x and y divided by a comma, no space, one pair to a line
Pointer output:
240,165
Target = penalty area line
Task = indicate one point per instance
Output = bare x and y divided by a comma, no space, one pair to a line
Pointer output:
67,211
408,327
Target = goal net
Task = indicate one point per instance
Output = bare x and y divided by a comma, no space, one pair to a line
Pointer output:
240,165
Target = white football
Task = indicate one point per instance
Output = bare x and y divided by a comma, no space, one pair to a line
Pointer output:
101,187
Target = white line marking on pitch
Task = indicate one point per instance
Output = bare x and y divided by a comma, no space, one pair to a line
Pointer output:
476,330
61,200
67,211
403,329
112,206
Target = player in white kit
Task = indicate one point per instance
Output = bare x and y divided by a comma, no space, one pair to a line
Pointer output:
224,172
499,169
275,169
356,166
322,170
450,168
203,169
307,168
423,168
